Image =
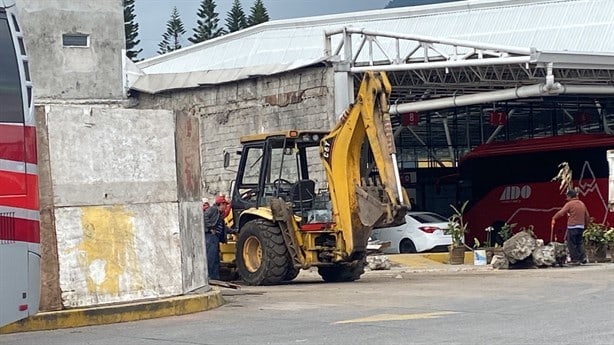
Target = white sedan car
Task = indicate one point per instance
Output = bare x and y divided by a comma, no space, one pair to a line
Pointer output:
422,231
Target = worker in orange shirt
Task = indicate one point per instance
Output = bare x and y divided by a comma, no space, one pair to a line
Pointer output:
577,221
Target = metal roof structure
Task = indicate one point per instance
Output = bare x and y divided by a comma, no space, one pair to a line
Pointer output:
557,26
546,64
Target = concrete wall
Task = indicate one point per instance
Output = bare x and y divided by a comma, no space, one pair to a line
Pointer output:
118,253
301,99
60,72
123,231
118,155
119,188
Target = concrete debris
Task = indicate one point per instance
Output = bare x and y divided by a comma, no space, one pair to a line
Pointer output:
523,250
500,261
378,262
519,247
224,284
544,256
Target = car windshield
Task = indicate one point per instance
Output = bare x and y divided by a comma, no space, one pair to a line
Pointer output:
429,218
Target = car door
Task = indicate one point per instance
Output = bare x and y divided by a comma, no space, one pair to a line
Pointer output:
393,234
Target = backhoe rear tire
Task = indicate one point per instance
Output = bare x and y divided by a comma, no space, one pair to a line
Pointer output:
262,256
342,273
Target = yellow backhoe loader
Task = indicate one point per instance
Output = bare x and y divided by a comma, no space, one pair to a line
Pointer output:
310,198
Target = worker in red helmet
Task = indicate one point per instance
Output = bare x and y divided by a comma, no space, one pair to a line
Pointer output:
226,210
215,232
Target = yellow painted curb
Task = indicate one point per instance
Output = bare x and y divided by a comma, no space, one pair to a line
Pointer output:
414,260
427,259
117,313
444,258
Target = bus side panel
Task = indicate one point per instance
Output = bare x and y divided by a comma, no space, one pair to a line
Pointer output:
34,278
14,282
534,204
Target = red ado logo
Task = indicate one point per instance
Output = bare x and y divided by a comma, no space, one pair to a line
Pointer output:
511,193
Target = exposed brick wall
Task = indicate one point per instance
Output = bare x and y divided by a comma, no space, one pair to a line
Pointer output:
301,99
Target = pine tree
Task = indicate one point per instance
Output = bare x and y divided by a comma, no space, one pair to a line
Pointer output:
236,20
172,37
258,14
131,30
207,24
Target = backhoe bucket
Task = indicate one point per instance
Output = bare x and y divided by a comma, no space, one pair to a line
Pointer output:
370,210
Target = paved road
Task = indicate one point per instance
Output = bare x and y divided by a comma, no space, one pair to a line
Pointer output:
572,305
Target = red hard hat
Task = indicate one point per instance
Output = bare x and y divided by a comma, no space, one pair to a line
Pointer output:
220,199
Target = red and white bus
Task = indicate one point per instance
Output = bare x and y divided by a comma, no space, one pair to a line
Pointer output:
19,206
511,182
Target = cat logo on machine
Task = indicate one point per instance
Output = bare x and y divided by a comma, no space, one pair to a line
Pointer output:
515,193
327,146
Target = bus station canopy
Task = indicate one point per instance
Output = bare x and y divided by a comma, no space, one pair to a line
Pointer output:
466,72
569,33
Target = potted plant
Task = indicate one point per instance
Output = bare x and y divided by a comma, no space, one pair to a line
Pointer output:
457,227
504,233
595,241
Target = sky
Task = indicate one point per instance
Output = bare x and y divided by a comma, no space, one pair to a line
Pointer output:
152,15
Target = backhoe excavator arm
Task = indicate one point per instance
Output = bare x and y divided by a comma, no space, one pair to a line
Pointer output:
357,205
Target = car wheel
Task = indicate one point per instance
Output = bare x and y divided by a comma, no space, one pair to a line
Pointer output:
407,246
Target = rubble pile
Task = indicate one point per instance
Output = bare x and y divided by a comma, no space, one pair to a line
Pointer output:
378,262
523,250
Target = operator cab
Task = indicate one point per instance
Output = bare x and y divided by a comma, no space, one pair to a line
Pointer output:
282,165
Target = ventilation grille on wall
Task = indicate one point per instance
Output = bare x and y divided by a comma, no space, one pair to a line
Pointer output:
7,227
75,40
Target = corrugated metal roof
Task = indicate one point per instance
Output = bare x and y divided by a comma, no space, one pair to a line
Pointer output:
7,3
157,82
548,25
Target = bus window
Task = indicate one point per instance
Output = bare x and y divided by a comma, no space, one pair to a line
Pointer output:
12,138
11,102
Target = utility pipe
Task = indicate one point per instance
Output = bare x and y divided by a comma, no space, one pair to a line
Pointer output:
500,95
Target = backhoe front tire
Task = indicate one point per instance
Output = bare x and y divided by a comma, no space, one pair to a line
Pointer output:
262,256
